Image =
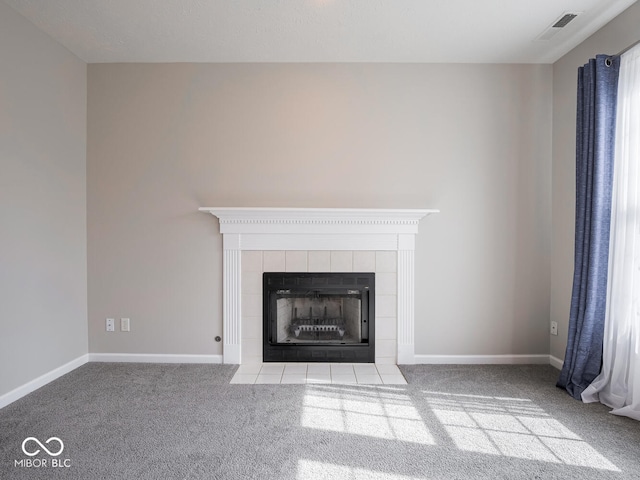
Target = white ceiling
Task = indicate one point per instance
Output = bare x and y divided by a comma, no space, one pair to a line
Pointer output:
450,31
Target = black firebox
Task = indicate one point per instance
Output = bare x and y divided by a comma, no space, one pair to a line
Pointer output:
319,317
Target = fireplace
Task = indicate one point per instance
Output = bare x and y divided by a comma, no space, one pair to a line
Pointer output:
318,317
258,240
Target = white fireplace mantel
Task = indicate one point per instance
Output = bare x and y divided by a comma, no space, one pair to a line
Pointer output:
311,229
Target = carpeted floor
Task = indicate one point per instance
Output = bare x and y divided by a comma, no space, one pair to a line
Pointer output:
141,421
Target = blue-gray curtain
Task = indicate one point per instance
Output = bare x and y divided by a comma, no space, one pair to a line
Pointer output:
595,139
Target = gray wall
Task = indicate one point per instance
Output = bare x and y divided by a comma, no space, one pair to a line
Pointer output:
472,140
614,37
43,266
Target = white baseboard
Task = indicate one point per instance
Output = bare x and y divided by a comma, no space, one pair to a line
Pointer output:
48,377
556,362
153,358
482,359
42,380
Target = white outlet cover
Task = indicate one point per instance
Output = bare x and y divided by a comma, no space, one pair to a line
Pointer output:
111,325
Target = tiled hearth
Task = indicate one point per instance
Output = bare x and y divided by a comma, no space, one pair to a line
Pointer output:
303,373
257,240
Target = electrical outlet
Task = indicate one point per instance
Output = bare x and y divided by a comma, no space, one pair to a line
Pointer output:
124,324
111,325
554,328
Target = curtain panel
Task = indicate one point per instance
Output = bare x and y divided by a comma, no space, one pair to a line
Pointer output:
595,140
618,385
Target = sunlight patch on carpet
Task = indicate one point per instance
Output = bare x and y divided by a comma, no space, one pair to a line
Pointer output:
512,427
376,413
312,470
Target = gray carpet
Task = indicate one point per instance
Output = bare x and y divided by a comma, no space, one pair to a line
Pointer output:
140,421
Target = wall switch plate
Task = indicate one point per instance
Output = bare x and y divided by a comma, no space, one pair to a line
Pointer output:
111,325
124,324
554,328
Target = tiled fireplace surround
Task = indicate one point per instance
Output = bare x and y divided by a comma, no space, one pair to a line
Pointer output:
381,262
257,240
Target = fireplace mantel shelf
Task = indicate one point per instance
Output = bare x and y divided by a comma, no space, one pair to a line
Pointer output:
317,229
317,220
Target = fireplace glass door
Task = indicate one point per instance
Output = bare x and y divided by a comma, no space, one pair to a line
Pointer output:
318,316
310,317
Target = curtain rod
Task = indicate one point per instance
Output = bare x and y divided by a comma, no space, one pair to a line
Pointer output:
624,50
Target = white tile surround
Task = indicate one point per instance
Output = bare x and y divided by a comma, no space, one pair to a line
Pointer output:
254,263
256,240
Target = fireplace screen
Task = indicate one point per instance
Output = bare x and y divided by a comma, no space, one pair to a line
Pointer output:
315,317
318,316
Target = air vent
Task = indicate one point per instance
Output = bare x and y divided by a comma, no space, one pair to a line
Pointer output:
558,25
566,18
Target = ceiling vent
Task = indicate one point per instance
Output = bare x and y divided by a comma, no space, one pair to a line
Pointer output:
558,25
